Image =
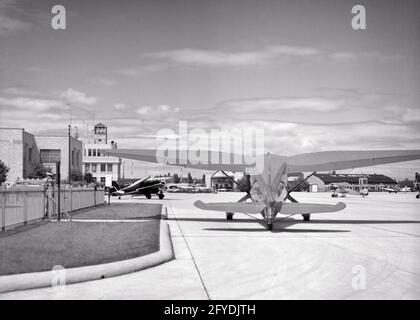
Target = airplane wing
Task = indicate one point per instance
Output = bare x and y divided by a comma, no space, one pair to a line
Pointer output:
305,208
135,183
147,187
339,160
215,160
239,207
283,207
307,162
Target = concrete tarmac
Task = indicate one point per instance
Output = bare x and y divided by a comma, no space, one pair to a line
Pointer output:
370,250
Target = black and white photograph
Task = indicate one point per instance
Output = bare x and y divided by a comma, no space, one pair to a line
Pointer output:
217,150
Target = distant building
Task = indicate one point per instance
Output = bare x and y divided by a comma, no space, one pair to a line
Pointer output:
94,159
373,182
22,151
219,181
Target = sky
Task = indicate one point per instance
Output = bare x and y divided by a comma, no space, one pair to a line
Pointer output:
296,69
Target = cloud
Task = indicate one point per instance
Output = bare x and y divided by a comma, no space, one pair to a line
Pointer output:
30,103
101,81
411,115
267,56
345,56
9,25
120,106
261,105
161,112
20,91
142,70
236,59
77,97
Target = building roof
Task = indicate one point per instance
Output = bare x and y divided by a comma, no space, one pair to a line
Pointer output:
219,174
100,125
328,178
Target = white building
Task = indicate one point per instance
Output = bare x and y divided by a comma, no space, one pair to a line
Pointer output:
94,160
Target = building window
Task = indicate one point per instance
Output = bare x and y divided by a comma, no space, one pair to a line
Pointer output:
30,155
50,155
99,152
89,152
363,181
93,167
87,167
94,152
102,179
103,167
109,167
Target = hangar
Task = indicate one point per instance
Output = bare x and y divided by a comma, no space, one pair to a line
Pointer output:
221,182
373,182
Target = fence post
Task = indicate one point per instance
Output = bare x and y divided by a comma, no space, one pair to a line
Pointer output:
94,195
3,209
71,201
25,207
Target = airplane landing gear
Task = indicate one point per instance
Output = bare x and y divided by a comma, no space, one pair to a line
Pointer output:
270,226
148,196
306,217
161,196
418,196
229,215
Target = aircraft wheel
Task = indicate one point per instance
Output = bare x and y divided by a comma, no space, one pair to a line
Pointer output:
229,216
418,196
119,198
148,196
306,217
161,196
269,226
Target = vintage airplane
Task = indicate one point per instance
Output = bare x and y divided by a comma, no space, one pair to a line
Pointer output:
267,188
145,186
406,189
390,190
342,191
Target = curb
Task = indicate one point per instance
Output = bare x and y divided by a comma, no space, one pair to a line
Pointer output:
164,213
43,279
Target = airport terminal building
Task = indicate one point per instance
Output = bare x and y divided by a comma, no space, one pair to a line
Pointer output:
94,159
321,182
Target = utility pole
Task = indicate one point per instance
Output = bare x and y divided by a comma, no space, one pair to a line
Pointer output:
58,179
69,134
69,154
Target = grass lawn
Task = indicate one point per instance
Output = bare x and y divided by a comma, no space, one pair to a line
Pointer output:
121,211
74,244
